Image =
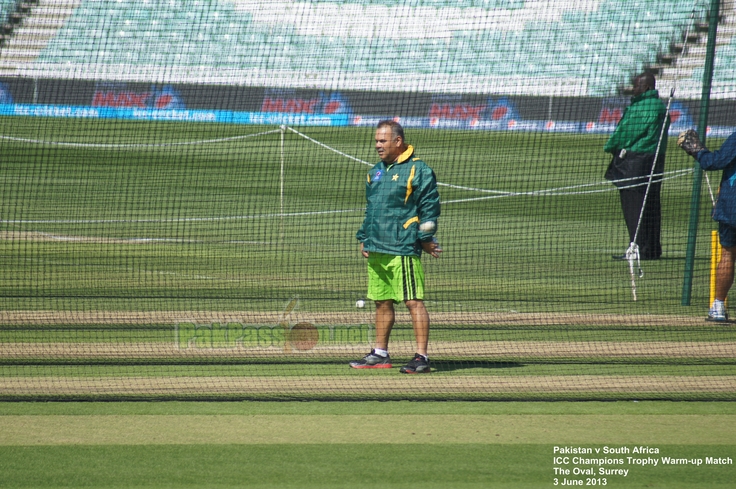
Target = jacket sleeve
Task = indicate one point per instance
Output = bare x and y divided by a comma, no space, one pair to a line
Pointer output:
718,160
428,202
361,234
615,142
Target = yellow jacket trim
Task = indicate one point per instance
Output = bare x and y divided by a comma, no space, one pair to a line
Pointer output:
409,188
410,221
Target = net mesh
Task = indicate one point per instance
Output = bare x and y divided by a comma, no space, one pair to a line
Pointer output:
182,183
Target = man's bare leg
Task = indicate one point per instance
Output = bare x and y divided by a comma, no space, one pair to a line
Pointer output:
385,318
724,273
420,321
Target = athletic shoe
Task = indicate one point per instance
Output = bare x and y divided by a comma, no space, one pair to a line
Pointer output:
718,312
372,360
417,365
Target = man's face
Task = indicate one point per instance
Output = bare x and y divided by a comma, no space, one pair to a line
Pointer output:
388,147
640,86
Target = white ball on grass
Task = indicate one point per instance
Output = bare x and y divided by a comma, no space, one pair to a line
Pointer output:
360,303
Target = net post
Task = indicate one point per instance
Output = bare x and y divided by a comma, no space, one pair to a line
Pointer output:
687,285
282,129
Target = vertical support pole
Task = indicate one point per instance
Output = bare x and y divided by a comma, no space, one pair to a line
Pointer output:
715,257
281,186
692,232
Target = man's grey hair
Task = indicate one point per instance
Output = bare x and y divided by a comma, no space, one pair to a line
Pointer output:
396,130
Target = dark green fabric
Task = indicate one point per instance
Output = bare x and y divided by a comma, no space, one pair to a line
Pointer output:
640,126
388,227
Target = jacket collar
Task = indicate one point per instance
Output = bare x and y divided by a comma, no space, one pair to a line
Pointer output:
405,155
645,95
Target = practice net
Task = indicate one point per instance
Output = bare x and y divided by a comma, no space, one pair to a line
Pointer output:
181,184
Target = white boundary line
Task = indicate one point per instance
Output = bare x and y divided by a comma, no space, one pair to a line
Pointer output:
136,146
181,219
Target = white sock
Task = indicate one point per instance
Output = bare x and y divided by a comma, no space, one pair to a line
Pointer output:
717,302
380,353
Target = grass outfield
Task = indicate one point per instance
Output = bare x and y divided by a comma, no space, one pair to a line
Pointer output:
365,444
131,216
150,260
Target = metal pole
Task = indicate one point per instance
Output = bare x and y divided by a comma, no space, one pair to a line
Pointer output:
281,186
692,232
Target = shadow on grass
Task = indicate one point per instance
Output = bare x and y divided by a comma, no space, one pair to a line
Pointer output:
459,365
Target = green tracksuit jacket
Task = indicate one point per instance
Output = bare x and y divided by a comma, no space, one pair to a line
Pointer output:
399,197
639,128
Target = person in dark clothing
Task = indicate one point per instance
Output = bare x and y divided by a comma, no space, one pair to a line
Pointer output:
724,212
634,145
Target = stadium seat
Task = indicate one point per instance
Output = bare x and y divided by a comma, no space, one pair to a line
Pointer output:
618,37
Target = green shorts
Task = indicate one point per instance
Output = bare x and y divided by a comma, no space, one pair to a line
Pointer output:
397,278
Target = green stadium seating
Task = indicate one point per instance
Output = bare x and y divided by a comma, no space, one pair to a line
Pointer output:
596,44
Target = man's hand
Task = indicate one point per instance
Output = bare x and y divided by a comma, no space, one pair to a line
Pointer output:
432,247
690,142
363,252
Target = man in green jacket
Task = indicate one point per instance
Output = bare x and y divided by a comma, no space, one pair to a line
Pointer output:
403,206
634,144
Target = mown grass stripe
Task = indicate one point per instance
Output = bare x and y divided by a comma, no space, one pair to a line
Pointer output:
21,430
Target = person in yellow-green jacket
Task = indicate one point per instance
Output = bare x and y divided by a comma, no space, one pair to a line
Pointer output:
401,219
634,144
